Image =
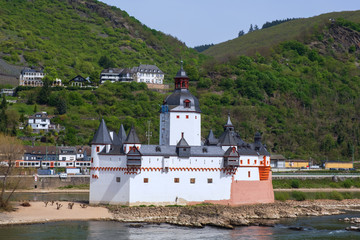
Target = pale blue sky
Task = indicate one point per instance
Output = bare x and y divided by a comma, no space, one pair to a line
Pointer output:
198,22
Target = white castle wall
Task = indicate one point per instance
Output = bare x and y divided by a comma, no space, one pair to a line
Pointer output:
161,188
188,123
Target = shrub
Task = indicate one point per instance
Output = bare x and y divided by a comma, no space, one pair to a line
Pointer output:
25,204
295,183
347,183
320,195
336,196
282,196
298,196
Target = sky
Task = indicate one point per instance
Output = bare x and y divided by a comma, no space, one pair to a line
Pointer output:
198,22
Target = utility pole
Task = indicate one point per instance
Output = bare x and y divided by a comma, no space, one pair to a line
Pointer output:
148,133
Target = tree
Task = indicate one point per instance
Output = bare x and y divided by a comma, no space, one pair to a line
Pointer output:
11,150
256,27
241,33
251,29
3,115
61,106
106,62
44,94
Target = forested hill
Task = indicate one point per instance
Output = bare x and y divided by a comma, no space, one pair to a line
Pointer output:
72,35
263,40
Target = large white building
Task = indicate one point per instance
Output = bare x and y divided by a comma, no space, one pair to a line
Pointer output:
180,169
144,73
31,77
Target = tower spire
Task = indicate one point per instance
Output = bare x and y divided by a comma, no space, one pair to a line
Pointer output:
181,79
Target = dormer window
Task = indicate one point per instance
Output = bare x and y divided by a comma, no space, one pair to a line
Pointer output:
187,103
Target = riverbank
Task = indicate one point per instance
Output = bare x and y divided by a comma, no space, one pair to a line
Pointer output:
37,212
190,216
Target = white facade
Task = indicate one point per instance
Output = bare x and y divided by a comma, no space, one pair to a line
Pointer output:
31,77
39,121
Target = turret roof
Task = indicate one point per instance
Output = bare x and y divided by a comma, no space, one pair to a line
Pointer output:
211,140
122,133
132,136
102,135
182,143
227,139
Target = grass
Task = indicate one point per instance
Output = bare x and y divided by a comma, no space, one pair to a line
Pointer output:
260,40
80,186
301,196
315,183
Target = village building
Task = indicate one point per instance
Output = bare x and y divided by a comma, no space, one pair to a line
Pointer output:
31,77
181,169
79,81
40,121
7,92
337,165
52,156
150,74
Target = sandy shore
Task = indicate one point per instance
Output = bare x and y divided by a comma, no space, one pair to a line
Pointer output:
51,191
191,216
38,213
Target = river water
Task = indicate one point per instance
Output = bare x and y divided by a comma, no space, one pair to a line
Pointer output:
325,227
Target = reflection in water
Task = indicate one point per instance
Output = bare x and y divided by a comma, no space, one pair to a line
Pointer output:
327,227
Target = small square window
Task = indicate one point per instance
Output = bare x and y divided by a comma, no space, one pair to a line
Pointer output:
176,180
146,180
97,149
248,173
248,161
210,180
192,180
254,161
117,179
240,161
187,116
177,116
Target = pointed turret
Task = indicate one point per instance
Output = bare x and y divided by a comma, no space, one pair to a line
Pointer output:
122,134
132,137
102,136
131,141
181,79
116,140
229,125
211,140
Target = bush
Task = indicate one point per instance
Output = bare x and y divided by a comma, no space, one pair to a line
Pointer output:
347,183
282,196
295,183
336,196
298,196
320,195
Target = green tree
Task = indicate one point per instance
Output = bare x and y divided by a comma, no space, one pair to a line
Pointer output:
3,115
106,62
61,106
44,93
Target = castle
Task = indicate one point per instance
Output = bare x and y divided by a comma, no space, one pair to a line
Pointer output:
181,169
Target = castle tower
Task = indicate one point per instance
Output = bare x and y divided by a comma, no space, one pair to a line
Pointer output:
101,141
132,140
180,114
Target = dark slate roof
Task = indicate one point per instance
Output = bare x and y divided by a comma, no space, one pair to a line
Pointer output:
177,98
246,149
80,78
26,70
227,139
211,140
132,137
122,133
181,73
213,151
146,69
134,151
182,143
116,140
39,115
102,135
112,71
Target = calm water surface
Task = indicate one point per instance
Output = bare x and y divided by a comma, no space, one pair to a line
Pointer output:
327,227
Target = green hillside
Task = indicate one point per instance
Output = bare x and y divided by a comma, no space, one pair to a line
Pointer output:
300,89
263,40
72,35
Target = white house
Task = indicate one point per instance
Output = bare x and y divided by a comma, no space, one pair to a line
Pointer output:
31,77
180,169
39,121
143,73
148,74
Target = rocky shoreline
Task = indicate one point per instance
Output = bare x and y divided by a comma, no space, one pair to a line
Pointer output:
230,217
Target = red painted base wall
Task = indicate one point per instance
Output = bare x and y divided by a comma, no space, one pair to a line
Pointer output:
249,192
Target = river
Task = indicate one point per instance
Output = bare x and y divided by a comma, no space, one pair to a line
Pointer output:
325,227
